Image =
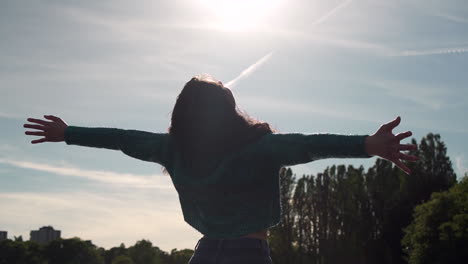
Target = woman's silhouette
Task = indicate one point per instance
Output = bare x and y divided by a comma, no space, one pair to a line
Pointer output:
225,164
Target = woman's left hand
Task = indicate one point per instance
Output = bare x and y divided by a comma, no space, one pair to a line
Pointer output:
385,144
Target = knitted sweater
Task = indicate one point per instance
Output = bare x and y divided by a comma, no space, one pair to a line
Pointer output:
241,195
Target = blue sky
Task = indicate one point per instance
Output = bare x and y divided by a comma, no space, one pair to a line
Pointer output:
328,66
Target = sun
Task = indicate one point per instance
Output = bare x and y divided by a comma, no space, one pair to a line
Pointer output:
239,15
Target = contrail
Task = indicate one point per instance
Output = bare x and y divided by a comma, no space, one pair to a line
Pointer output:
407,53
245,73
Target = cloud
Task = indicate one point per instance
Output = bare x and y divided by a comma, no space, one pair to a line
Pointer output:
119,46
8,148
430,97
329,39
421,94
460,165
251,69
368,47
330,13
427,52
108,177
452,18
10,115
107,219
281,105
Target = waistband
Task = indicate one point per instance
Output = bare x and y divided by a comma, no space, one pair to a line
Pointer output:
244,242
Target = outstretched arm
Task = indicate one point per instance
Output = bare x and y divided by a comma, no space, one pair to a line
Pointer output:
296,148
142,145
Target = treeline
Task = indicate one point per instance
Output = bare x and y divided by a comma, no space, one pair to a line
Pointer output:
77,251
342,215
349,215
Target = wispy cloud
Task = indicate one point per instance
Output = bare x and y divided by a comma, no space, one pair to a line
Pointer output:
424,95
108,177
282,105
9,115
252,68
366,46
452,18
426,52
8,148
330,39
330,13
460,165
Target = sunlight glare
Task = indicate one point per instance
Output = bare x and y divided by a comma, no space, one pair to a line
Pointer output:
240,15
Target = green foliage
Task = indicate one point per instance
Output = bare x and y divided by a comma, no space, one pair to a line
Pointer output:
111,254
77,251
143,252
179,256
72,251
281,236
347,215
439,231
122,260
20,252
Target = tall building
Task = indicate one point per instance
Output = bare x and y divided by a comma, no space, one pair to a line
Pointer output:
44,235
3,235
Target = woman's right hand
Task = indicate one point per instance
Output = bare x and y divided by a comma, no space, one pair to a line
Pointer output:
51,131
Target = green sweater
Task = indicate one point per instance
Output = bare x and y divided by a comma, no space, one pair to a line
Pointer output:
241,194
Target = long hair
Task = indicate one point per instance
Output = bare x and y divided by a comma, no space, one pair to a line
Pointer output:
207,124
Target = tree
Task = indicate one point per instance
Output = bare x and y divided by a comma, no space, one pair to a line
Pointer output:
347,215
35,253
395,194
439,231
143,252
281,236
12,252
111,254
72,251
20,252
180,256
122,260
432,173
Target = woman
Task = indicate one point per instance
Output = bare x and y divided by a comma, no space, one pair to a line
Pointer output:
224,165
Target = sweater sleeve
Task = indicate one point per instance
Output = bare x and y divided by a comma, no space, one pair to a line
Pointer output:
295,148
142,145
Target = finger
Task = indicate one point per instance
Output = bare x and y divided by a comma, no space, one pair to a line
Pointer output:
53,118
407,157
33,133
392,124
407,147
403,135
38,121
34,126
38,141
402,166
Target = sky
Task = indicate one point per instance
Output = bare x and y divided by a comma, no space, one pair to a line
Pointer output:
336,66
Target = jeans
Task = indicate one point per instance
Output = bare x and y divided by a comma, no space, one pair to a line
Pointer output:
230,251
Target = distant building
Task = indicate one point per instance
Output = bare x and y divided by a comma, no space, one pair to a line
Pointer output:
44,235
3,235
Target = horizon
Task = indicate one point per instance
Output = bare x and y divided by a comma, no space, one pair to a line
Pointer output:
84,239
310,66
